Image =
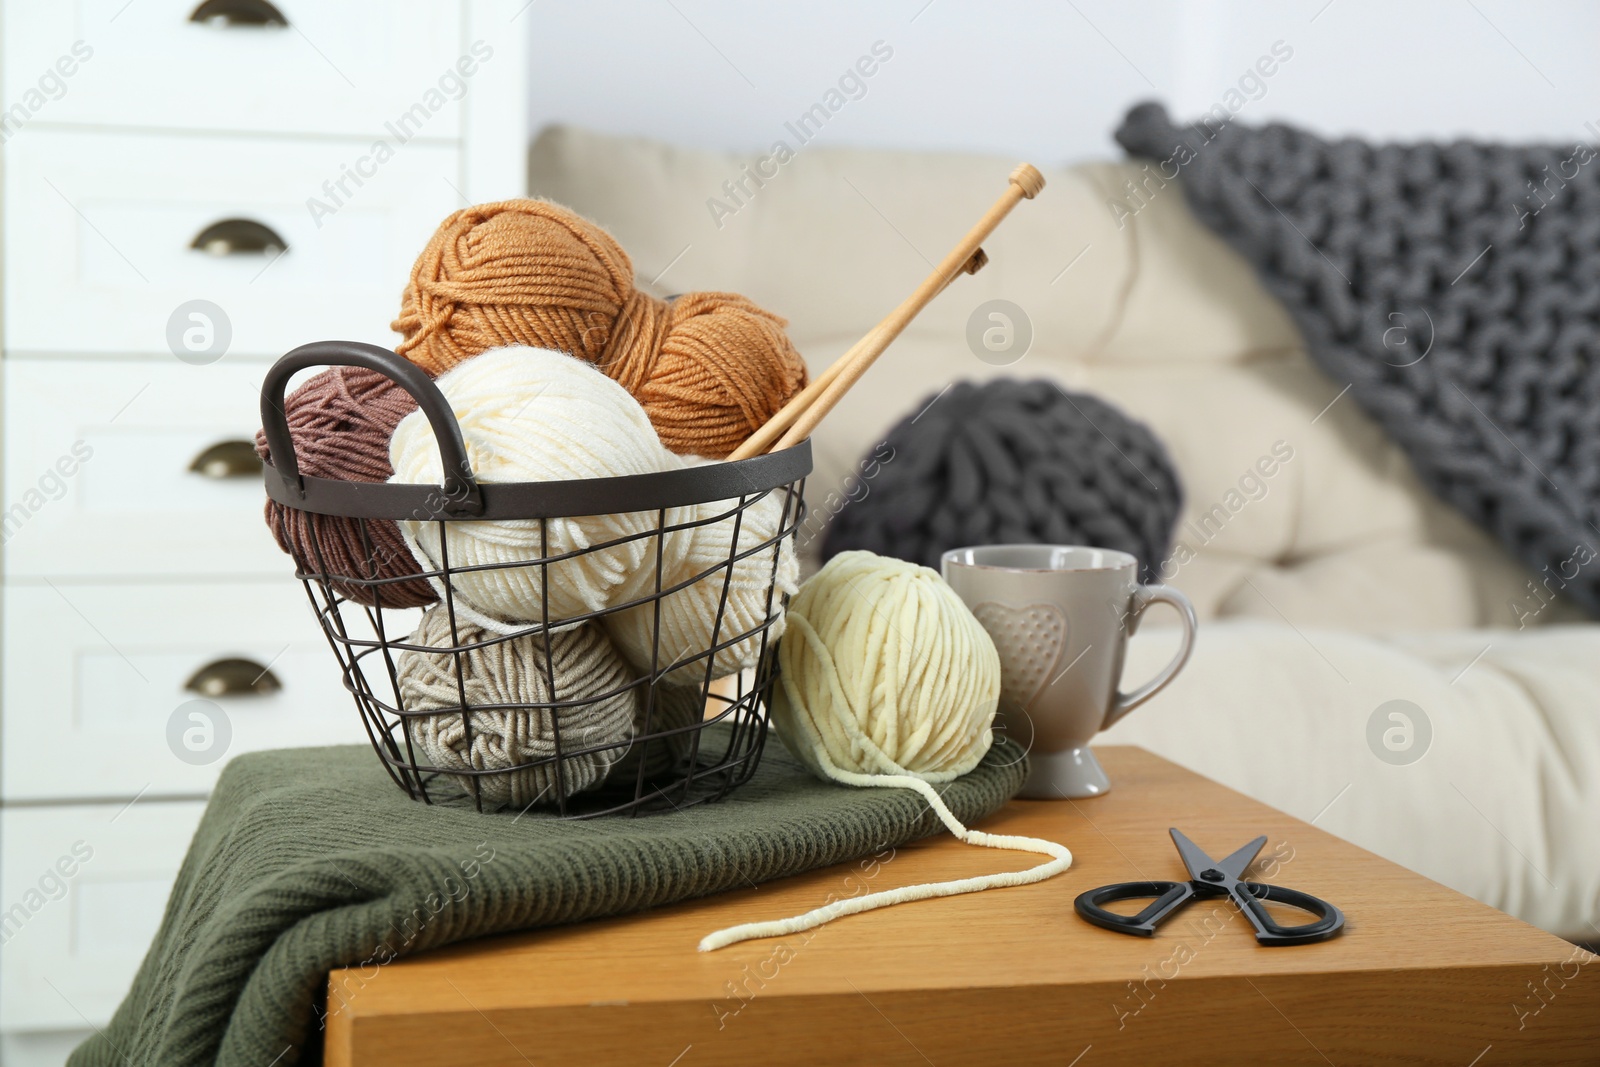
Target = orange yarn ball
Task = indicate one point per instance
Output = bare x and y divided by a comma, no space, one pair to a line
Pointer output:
708,368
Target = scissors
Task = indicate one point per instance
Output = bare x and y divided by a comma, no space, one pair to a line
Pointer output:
1210,878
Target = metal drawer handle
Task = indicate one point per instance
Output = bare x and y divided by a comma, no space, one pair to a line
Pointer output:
228,459
233,237
238,13
231,677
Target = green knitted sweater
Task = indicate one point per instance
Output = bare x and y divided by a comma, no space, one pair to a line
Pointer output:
311,859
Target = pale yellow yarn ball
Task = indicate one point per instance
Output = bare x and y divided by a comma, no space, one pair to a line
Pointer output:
885,671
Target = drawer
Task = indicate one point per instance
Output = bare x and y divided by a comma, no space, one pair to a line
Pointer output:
98,470
97,685
336,68
100,228
84,888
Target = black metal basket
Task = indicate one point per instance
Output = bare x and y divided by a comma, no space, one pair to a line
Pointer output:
670,760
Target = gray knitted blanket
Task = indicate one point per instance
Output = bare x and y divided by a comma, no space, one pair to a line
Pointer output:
1454,287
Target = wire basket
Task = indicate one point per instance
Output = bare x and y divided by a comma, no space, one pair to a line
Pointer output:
688,743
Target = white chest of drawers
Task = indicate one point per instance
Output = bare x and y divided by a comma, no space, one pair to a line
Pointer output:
272,168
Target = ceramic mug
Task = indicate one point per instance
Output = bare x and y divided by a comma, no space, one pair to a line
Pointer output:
1061,616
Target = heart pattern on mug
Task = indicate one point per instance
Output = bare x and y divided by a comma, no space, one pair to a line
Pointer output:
1030,641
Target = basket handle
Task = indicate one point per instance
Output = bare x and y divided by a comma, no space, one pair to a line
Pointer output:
461,494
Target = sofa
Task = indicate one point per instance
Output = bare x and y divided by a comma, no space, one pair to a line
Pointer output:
1328,590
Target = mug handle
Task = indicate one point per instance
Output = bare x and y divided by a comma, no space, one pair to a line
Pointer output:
1143,597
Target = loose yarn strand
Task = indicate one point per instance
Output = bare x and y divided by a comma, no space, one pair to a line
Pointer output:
1061,860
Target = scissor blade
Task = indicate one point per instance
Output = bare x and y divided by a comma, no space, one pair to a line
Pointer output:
1235,864
1193,858
1197,861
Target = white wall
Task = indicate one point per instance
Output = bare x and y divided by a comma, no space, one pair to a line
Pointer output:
1048,81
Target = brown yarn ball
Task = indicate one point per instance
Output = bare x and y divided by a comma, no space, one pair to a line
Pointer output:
340,422
708,368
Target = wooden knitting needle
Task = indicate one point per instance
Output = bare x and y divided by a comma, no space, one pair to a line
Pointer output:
769,433
1025,183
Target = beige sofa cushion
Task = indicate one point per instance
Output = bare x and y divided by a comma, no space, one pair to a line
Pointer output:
1147,309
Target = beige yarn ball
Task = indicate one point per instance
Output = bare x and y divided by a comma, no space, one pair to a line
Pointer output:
511,671
689,615
884,671
526,415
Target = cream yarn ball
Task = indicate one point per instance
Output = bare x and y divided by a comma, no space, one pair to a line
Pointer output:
885,671
689,615
889,681
529,414
526,415
511,671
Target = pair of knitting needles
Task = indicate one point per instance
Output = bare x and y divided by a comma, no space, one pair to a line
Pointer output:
800,416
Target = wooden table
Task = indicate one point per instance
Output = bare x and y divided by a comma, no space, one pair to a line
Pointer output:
1421,975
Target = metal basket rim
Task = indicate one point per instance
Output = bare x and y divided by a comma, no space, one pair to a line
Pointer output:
569,498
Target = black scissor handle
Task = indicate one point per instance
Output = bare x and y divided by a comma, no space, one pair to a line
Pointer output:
1169,896
1329,921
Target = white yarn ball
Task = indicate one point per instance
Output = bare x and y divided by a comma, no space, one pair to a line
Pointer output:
689,615
529,415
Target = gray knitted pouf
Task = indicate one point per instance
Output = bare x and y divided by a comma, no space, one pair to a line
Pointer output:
1454,287
1012,461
